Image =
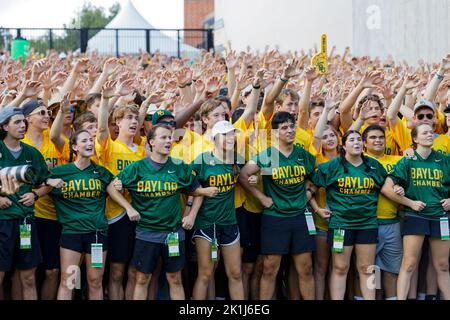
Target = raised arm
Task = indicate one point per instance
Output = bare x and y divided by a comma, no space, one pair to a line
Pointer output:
430,92
410,82
108,91
322,122
369,80
303,111
109,67
56,131
252,104
290,70
80,66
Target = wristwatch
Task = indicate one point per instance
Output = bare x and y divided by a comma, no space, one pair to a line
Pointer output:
36,196
189,203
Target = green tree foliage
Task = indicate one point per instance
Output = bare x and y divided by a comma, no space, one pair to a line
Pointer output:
89,16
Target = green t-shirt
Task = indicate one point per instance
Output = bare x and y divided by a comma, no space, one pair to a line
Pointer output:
284,180
80,203
211,172
426,180
155,194
352,196
28,156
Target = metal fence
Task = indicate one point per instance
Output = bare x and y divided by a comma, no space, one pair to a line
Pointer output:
173,42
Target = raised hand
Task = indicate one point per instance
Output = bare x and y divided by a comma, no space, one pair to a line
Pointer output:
125,88
197,71
410,81
231,60
31,89
371,79
81,65
213,86
12,81
109,89
291,70
310,74
110,66
183,76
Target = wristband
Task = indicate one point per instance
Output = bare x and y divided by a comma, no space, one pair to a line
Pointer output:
36,196
439,76
189,204
186,85
284,80
256,87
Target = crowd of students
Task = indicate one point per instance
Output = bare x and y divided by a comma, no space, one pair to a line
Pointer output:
251,169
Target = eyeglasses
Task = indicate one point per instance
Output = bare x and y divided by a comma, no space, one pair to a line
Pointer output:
422,116
168,123
148,117
42,113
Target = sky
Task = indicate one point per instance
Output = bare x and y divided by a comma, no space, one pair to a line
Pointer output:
54,13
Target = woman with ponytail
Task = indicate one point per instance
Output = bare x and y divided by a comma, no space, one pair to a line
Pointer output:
80,208
352,182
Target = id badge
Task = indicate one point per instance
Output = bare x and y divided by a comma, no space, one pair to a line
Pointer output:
97,255
174,244
25,236
338,240
310,223
214,251
445,234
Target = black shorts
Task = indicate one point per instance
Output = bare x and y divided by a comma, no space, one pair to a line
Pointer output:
121,238
11,256
49,233
82,242
352,237
287,235
225,235
146,255
250,230
421,227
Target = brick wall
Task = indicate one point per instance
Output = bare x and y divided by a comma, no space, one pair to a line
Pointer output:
195,13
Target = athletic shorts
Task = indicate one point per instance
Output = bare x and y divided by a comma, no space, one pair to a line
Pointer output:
146,255
421,227
49,233
288,235
250,230
121,238
11,256
352,236
389,248
82,242
225,235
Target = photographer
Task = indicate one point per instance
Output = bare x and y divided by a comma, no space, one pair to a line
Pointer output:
19,243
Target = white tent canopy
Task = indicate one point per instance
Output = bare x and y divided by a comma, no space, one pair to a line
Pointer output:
130,41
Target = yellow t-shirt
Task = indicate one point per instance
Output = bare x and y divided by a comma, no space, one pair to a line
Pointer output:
386,208
44,207
182,149
115,156
403,135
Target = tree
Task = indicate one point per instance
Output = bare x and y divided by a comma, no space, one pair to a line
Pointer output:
89,16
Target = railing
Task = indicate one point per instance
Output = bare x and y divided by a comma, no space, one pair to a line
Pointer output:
173,42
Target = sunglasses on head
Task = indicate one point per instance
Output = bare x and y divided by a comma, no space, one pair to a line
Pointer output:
168,123
42,113
422,116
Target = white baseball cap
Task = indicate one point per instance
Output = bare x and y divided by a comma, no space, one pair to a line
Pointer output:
223,127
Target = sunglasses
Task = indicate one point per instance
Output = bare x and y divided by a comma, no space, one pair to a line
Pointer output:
422,116
168,123
42,113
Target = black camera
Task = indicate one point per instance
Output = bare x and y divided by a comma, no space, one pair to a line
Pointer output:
24,174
